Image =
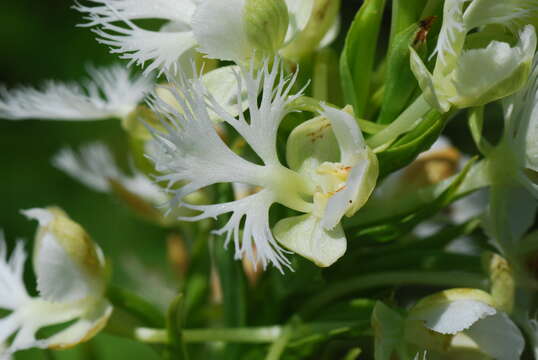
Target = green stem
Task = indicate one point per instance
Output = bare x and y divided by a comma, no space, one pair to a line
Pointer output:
278,347
405,122
252,335
266,334
136,306
350,286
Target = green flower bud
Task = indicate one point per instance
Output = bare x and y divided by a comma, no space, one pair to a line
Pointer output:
502,281
266,24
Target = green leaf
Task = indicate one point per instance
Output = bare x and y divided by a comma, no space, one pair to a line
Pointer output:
388,326
136,306
174,324
400,83
232,281
404,14
476,122
357,59
325,81
407,148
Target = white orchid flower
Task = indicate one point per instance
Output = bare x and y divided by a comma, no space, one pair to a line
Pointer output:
461,322
70,273
464,76
108,93
190,153
226,30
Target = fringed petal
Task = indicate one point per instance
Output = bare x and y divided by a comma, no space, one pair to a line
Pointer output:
110,92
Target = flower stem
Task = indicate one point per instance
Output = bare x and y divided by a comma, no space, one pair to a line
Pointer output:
405,122
279,345
252,335
141,309
264,334
346,287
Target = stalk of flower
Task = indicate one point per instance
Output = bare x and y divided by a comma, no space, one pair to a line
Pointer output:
341,186
70,273
462,76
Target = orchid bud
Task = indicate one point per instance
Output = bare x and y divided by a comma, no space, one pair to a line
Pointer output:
64,250
266,24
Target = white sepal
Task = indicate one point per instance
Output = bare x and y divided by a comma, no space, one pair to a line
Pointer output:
498,337
488,74
451,36
359,162
219,28
299,13
511,13
109,92
69,266
454,310
427,83
454,316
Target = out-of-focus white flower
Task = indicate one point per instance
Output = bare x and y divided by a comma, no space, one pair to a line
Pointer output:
108,93
70,273
95,167
4,355
466,77
190,152
227,30
461,321
512,169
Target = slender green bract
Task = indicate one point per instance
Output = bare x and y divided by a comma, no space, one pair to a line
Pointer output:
358,56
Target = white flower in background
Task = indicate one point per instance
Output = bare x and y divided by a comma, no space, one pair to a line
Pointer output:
108,93
459,323
227,30
468,74
513,168
70,273
95,167
190,153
